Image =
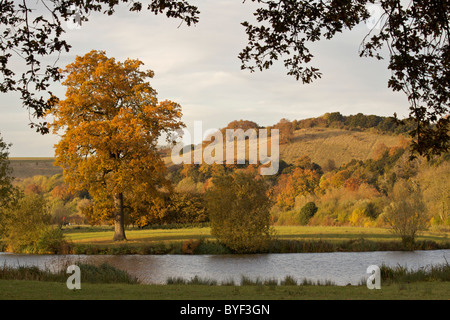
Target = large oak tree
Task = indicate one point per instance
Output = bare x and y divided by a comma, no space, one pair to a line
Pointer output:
111,121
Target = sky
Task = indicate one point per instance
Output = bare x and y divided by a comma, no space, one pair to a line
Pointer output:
198,67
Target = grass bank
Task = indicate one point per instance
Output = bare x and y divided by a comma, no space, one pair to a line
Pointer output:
35,290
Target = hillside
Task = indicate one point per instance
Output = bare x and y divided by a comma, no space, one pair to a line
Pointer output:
341,146
320,144
325,144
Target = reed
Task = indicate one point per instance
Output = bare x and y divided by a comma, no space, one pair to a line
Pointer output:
103,273
401,274
248,281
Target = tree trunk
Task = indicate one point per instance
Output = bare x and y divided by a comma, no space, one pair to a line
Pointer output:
119,225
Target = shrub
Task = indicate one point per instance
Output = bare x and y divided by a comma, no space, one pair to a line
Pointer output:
25,223
307,212
51,240
401,274
358,218
288,281
185,208
406,213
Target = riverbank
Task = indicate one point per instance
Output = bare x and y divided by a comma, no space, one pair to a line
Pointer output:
208,247
36,290
107,282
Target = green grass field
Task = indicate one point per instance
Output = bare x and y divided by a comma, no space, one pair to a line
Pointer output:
325,233
32,290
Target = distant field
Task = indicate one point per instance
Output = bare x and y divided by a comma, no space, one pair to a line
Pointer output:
332,234
29,167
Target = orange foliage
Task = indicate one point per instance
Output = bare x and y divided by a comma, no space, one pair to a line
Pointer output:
61,192
379,151
33,188
394,150
111,121
286,130
352,184
334,179
298,182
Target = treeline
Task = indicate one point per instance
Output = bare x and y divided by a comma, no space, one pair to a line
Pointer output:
360,193
356,122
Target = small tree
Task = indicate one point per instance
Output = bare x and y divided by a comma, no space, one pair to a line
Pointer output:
24,222
5,173
238,207
307,212
406,212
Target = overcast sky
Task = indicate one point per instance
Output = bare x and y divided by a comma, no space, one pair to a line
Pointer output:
198,67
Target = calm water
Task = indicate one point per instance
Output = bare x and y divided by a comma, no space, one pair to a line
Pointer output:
340,267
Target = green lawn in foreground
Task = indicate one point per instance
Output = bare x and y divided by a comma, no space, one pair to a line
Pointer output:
332,234
30,290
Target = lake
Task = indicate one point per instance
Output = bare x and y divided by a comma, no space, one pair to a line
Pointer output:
340,267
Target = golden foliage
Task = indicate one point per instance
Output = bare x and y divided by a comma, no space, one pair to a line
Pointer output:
111,121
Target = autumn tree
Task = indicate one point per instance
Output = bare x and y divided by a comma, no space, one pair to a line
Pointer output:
286,130
434,181
238,206
61,192
406,214
353,184
111,121
297,183
242,124
5,173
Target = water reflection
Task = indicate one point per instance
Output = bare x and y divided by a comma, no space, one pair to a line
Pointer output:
340,267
